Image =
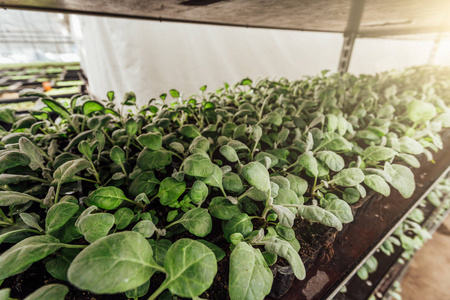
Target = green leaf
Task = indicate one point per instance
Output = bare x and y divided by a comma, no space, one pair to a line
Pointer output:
362,273
407,158
143,183
198,165
307,161
332,123
222,208
131,127
8,198
261,157
285,215
285,250
96,226
229,153
218,252
151,140
170,190
14,233
197,221
58,215
249,277
150,159
33,152
335,142
30,221
21,255
139,291
256,175
96,123
6,179
191,268
199,143
232,182
444,119
108,197
378,184
92,106
57,108
129,99
419,111
199,192
410,146
257,132
11,159
123,217
190,131
297,184
272,118
402,179
349,177
174,93
145,227
117,155
49,292
58,267
283,135
378,153
317,214
341,210
287,196
351,195
161,251
177,147
331,159
85,149
68,170
215,179
240,223
114,264
282,182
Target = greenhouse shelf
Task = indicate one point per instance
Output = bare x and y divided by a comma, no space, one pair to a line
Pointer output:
389,268
58,80
375,220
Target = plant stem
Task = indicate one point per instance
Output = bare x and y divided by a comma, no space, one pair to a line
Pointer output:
5,218
161,289
58,188
38,179
107,136
173,153
73,246
131,201
268,206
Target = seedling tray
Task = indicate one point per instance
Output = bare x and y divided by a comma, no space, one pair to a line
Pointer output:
374,222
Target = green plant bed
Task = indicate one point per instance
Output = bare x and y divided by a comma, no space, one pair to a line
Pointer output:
63,91
201,197
70,83
21,77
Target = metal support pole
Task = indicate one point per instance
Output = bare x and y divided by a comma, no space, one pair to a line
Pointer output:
354,19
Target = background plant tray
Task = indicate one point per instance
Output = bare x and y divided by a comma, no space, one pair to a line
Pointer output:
389,268
65,80
374,221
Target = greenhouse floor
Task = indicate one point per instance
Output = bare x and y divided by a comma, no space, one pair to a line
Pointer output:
428,276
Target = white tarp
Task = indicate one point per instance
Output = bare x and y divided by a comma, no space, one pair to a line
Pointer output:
150,57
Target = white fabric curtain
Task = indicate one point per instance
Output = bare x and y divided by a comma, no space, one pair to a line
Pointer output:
150,58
